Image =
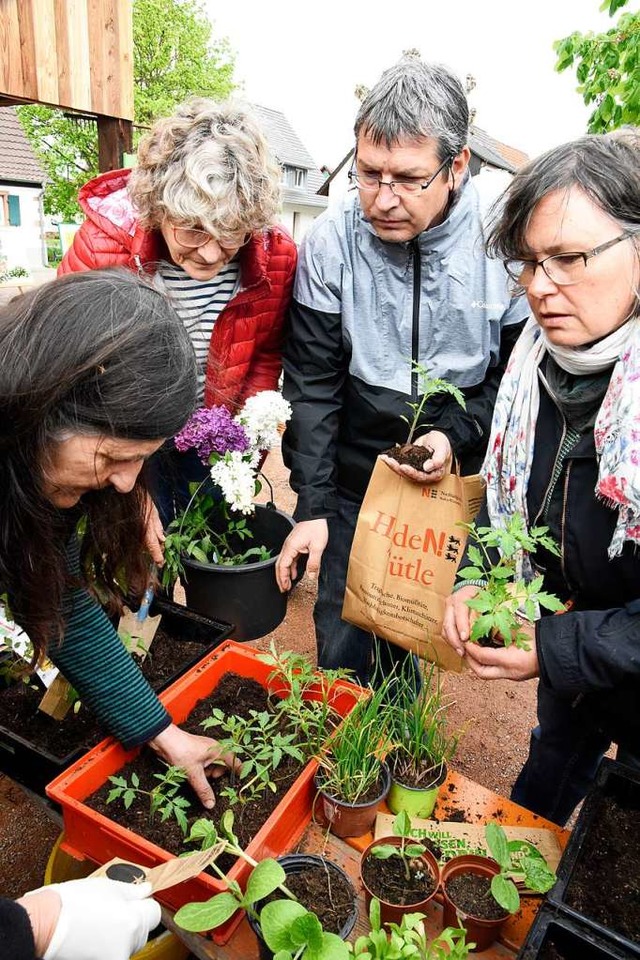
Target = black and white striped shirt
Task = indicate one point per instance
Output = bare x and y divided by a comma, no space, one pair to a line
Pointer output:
198,303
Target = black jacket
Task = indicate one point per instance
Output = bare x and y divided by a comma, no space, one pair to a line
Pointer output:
341,423
591,654
16,935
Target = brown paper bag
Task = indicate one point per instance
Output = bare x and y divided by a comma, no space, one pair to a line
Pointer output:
404,558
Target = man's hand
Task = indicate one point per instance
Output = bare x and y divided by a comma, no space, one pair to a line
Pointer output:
197,755
435,468
92,919
154,534
308,537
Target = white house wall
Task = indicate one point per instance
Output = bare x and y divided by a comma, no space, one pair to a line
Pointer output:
23,246
297,220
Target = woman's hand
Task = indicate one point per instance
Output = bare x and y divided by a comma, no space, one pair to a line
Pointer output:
435,468
456,625
92,919
504,663
198,756
154,534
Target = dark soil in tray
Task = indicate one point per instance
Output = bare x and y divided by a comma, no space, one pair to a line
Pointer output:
19,701
472,895
328,895
410,453
387,879
233,695
605,884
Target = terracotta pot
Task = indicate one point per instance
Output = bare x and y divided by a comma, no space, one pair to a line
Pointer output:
393,912
296,863
479,931
416,801
349,819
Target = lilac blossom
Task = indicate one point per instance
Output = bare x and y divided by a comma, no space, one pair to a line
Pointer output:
212,430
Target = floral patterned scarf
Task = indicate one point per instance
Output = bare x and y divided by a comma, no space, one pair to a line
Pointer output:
509,455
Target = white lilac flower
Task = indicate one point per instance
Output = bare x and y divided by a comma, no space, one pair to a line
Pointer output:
235,474
261,415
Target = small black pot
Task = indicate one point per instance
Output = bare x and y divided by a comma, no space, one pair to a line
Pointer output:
247,595
295,863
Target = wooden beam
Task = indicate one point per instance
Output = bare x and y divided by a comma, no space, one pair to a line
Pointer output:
115,137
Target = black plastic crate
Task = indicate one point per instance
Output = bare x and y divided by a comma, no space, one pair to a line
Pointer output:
32,766
622,784
556,935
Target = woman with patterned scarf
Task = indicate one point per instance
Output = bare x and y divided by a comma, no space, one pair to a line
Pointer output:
565,452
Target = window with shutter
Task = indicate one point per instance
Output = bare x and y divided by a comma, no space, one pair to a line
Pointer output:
14,209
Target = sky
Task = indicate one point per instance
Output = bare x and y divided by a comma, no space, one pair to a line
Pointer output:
306,59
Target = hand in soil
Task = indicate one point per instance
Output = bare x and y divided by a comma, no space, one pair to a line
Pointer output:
427,460
198,756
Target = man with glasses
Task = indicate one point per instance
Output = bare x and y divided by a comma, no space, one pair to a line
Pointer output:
395,274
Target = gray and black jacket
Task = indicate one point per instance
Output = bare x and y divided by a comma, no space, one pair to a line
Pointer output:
362,310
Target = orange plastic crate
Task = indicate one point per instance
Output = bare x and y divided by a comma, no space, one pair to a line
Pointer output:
91,835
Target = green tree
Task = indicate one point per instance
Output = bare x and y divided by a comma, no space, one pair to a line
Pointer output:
174,56
607,69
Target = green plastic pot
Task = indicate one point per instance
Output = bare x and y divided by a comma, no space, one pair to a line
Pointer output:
416,801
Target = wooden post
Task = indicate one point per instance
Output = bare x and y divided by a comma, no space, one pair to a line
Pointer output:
115,137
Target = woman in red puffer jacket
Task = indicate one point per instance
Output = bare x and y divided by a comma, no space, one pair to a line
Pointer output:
198,213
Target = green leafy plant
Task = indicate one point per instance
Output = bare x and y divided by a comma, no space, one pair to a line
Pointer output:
288,929
430,387
418,726
494,561
407,851
408,939
164,799
294,676
13,273
257,741
537,875
350,760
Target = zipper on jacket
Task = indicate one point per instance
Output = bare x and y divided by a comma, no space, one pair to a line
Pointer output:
415,320
565,493
552,481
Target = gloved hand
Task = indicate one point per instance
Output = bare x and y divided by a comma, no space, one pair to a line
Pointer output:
101,919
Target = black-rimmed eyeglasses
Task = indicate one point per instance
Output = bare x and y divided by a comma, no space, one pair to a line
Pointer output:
400,188
563,269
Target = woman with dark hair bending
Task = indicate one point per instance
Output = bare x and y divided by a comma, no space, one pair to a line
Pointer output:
96,370
565,452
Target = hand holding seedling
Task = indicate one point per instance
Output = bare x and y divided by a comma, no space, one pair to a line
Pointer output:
435,466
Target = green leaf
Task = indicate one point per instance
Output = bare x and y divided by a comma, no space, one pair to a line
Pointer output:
402,824
307,929
198,917
276,919
383,851
331,948
497,843
537,875
266,877
505,893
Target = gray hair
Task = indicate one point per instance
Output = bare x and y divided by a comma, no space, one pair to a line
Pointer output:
414,100
208,165
606,167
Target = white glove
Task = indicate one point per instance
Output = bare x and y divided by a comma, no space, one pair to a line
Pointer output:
102,919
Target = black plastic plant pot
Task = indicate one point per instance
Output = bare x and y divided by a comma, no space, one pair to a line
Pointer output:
296,863
246,595
557,936
33,766
599,872
185,625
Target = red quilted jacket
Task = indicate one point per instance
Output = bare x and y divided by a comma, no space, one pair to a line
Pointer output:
246,344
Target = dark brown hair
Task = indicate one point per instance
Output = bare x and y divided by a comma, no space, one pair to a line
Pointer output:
99,353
